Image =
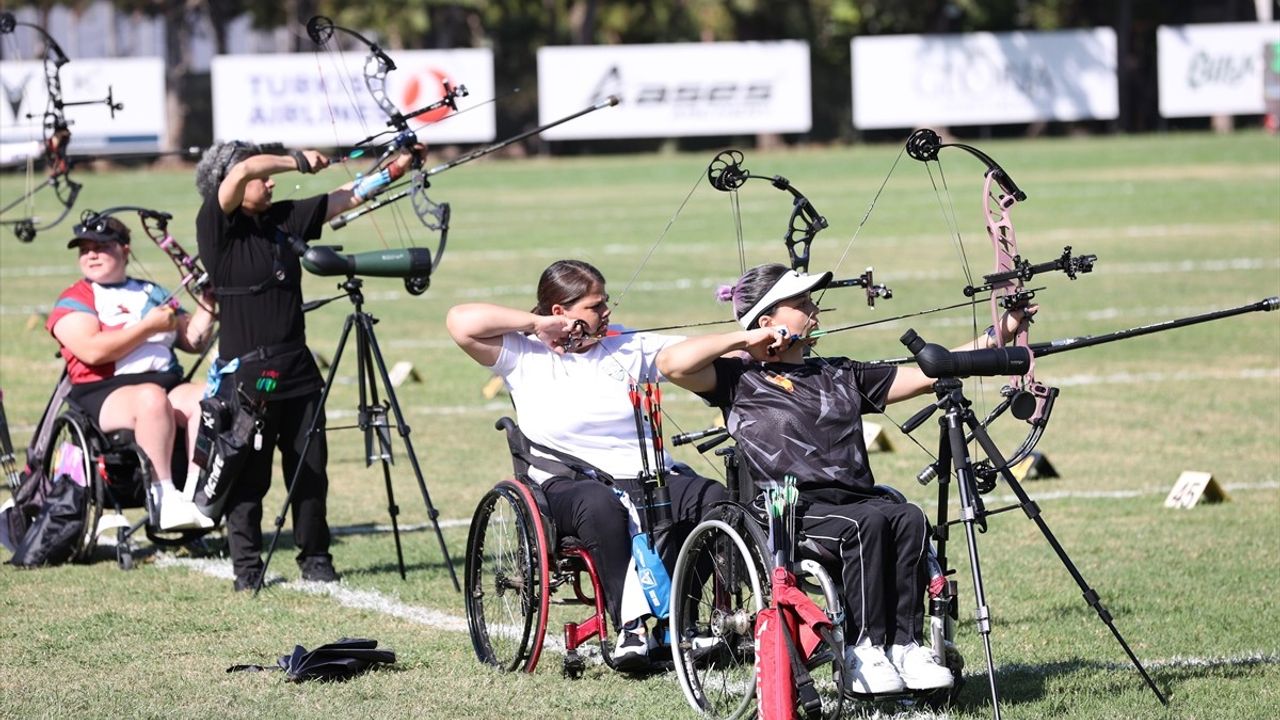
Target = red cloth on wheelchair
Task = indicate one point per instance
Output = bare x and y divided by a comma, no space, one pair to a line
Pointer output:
792,613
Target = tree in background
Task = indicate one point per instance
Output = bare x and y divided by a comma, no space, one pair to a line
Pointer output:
515,29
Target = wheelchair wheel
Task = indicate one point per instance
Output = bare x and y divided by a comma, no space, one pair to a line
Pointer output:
506,581
71,453
716,595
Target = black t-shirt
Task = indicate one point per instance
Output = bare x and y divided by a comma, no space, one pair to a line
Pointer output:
803,420
246,251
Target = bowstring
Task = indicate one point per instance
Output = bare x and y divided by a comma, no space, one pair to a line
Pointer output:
661,236
884,412
29,182
952,219
735,209
865,217
343,71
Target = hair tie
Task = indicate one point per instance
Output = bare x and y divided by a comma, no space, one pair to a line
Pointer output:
724,293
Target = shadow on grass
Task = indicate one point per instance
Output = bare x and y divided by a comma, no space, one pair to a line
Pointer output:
393,568
1026,683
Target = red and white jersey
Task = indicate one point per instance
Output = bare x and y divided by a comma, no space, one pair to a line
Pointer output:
116,307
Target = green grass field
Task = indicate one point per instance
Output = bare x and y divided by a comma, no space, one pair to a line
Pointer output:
1181,224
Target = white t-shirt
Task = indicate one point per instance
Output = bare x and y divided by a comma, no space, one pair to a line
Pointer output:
578,403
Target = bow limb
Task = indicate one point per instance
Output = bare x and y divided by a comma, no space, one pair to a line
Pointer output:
155,224
727,174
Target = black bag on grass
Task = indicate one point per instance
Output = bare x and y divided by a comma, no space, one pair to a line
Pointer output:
51,539
336,661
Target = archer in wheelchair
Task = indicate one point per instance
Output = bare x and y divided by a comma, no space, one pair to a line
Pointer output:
587,464
116,334
799,416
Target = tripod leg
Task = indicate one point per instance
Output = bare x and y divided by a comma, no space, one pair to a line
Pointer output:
953,429
1033,511
373,422
306,447
404,431
940,613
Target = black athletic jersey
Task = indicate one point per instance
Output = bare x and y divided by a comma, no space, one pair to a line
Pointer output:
803,420
245,251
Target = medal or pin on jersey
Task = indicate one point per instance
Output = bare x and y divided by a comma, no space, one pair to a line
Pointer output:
781,381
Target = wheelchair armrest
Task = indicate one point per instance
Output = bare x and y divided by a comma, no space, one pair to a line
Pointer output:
505,424
889,492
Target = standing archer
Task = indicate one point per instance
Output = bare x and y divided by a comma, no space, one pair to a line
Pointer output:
251,248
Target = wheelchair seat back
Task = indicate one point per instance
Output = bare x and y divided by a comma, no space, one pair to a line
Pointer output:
118,463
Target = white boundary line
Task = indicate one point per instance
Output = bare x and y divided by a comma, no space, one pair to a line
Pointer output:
377,602
349,597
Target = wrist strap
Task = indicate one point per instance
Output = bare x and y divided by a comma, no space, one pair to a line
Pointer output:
304,166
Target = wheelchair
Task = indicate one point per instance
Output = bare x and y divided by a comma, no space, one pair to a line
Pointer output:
516,561
721,582
116,473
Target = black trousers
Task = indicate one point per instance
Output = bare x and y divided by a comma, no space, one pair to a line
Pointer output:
882,544
285,429
590,511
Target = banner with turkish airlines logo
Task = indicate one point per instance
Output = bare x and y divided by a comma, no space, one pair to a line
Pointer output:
676,89
320,99
1213,69
907,81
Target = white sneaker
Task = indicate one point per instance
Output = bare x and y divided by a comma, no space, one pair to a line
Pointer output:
919,667
869,672
179,513
631,650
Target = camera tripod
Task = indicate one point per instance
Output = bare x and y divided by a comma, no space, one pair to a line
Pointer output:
372,419
953,453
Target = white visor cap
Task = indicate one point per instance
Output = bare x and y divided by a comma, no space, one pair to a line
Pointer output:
790,285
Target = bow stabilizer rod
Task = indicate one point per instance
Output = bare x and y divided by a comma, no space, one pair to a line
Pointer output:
346,218
1054,347
1076,343
481,152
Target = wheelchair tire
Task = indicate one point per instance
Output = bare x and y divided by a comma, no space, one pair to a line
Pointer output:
71,451
507,588
716,594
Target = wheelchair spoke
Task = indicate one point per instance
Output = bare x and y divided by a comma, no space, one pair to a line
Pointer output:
502,588
717,594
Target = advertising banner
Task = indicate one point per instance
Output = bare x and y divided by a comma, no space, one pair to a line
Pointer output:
136,83
906,81
320,99
676,89
1213,69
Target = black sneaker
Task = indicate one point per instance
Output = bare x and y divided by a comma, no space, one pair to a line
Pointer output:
247,580
318,568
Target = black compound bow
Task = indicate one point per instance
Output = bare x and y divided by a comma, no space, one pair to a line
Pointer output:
56,137
726,173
